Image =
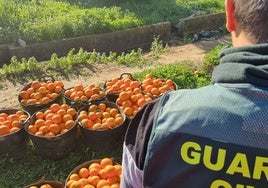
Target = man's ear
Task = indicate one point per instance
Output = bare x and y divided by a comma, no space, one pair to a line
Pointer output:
230,18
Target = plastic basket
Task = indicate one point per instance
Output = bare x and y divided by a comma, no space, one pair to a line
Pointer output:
14,145
32,108
84,165
104,140
56,147
78,104
112,96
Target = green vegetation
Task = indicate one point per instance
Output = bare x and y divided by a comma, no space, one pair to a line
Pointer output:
45,20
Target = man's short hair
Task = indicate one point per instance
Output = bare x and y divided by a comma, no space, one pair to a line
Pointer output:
252,17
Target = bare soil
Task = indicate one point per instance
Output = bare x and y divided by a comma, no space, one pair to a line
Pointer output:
194,52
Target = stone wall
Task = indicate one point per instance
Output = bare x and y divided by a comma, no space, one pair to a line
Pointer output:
115,41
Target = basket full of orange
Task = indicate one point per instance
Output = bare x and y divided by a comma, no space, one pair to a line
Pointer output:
40,94
103,172
103,125
13,138
155,86
81,95
125,82
53,131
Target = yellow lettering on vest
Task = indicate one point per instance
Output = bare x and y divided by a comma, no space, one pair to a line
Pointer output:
220,159
261,165
239,165
220,184
243,186
194,156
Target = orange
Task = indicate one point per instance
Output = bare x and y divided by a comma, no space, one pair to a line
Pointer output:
56,118
45,100
59,83
46,186
114,111
102,106
39,115
109,171
94,180
49,134
95,165
92,116
149,76
15,124
54,107
83,173
42,90
74,177
113,180
69,124
58,89
119,120
155,91
24,95
51,86
67,117
35,84
116,185
54,128
43,129
124,95
102,183
128,111
126,103
111,122
71,111
4,130
32,129
106,161
39,133
97,126
82,116
61,112
39,122
94,171
118,169
92,108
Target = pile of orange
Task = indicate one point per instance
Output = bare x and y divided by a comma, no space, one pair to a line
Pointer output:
132,101
100,116
84,93
11,122
156,86
100,174
41,92
124,83
55,120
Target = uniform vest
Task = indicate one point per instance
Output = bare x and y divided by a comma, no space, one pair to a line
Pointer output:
211,137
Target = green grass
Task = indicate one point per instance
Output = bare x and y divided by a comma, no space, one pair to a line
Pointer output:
17,173
45,20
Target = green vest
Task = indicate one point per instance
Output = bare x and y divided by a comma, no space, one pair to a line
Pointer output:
220,141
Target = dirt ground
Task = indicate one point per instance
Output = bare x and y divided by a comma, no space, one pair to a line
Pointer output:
194,52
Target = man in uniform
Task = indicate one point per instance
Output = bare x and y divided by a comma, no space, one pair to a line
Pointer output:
215,136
